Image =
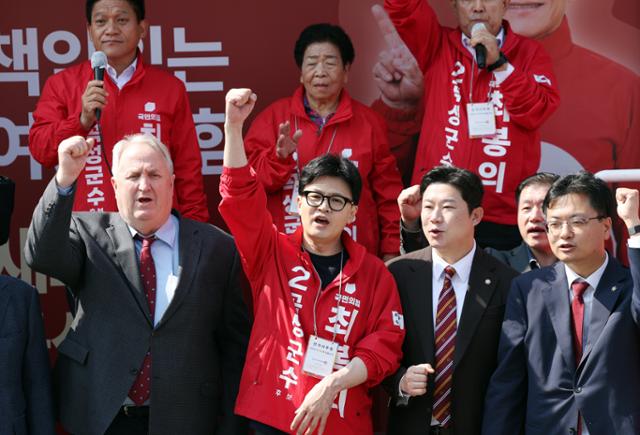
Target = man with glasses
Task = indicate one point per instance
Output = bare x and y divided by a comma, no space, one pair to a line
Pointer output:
569,354
328,324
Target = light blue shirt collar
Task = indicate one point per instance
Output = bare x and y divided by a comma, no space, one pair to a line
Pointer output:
166,233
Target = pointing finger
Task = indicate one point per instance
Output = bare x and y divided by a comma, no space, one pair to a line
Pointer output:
387,29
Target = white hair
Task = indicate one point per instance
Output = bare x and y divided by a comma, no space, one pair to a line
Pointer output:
143,138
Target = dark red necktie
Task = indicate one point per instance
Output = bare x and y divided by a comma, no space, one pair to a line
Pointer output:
141,388
446,321
577,310
577,314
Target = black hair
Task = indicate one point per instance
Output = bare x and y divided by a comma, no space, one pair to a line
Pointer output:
583,183
324,32
330,165
137,5
545,178
468,184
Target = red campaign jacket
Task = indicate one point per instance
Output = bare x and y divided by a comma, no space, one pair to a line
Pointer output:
360,135
153,101
522,102
369,321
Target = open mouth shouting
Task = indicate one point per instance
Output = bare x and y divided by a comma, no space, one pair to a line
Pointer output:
536,230
144,201
321,220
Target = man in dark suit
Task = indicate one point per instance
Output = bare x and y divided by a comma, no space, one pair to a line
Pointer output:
26,402
569,355
534,252
453,296
158,341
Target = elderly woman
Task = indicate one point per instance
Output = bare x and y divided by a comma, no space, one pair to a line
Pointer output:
328,323
321,118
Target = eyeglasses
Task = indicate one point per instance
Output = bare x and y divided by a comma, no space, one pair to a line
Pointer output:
336,202
575,223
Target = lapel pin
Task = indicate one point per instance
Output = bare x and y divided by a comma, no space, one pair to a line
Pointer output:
487,281
614,288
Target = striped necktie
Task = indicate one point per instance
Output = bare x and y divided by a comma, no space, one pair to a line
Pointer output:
446,323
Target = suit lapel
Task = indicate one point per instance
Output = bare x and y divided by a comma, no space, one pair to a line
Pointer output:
482,284
604,301
556,299
521,259
421,296
5,298
190,247
124,253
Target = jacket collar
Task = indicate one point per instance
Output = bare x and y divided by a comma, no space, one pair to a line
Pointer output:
343,112
5,298
137,75
482,285
510,41
357,252
556,299
124,253
559,44
604,302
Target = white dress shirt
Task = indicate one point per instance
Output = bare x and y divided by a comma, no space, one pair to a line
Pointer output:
593,280
125,76
460,281
460,284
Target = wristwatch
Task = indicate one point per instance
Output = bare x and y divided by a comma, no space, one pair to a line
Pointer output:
498,63
634,230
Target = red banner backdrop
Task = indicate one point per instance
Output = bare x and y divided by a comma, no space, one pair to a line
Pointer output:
213,47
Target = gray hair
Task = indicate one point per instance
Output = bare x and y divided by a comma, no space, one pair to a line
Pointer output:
143,138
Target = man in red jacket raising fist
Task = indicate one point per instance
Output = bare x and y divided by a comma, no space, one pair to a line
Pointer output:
328,323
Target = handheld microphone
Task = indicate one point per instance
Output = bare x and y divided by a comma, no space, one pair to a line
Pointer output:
98,64
481,50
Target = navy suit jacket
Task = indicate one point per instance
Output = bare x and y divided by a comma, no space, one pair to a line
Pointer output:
26,404
537,387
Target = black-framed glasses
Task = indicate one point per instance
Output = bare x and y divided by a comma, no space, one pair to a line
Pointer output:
575,223
336,202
